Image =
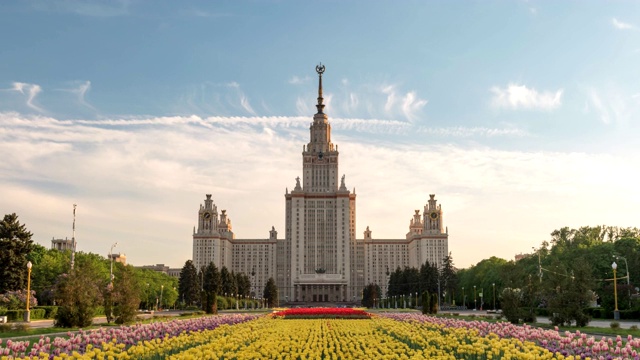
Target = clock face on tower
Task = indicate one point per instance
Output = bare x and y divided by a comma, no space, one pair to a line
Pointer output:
320,155
207,216
434,215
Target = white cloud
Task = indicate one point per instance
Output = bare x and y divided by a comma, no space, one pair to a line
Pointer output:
612,105
622,25
598,105
520,97
409,105
140,181
296,80
32,90
85,7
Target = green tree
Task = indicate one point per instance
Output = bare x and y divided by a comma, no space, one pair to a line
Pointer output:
126,296
189,288
429,277
512,301
228,282
46,271
15,245
426,302
568,292
448,278
212,286
78,294
271,293
371,295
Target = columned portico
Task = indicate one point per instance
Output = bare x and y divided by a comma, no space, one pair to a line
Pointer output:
320,288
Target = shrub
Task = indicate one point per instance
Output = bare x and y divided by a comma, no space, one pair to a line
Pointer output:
15,315
49,311
633,327
614,325
221,302
37,314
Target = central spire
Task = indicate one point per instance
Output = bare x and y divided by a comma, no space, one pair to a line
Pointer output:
320,71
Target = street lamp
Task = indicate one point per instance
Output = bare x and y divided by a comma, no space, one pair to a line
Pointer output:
616,312
27,314
161,291
626,266
464,305
475,306
111,258
494,296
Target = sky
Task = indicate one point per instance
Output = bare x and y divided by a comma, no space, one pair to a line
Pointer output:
521,116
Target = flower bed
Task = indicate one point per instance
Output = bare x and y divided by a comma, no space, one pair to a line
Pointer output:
121,337
322,313
575,345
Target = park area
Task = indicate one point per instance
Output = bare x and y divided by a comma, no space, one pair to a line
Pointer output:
322,333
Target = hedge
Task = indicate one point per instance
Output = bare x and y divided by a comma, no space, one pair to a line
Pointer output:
49,311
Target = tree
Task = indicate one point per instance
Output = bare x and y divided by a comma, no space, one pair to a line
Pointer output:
448,278
271,293
212,286
15,245
371,295
228,282
429,276
426,302
244,284
569,293
189,289
512,302
78,294
46,270
126,296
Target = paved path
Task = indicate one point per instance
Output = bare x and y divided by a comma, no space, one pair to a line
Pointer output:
602,323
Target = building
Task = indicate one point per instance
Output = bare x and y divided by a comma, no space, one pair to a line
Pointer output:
119,258
319,259
162,268
62,244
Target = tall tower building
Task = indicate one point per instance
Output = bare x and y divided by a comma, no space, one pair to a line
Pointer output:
320,259
320,221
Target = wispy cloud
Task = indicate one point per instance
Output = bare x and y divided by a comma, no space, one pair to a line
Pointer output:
622,25
132,175
408,104
296,80
611,105
31,91
80,90
85,7
516,96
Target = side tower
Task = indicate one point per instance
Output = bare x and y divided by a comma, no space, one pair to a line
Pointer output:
212,238
320,222
428,238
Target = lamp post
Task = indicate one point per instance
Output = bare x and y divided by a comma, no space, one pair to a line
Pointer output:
626,266
616,312
161,291
475,303
464,305
27,314
494,296
416,304
111,259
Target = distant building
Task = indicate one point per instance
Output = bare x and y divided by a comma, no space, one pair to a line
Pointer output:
62,244
162,268
319,259
522,256
120,258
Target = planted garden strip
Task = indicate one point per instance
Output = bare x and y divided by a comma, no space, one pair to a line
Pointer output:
124,336
323,313
578,345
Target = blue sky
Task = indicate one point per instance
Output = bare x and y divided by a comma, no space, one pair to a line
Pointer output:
521,116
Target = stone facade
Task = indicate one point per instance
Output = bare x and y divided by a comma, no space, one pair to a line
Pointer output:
319,259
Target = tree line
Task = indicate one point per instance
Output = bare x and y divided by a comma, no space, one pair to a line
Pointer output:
75,296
